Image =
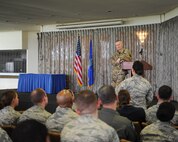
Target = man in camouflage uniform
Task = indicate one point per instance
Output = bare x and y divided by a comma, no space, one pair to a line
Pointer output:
122,54
161,131
139,88
4,136
63,114
164,95
37,112
87,127
8,115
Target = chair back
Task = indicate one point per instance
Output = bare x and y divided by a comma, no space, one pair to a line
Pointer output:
144,124
123,140
54,136
175,126
137,126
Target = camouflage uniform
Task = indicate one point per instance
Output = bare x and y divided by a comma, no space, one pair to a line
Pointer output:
4,136
118,74
159,132
151,115
61,117
36,112
140,90
8,116
87,128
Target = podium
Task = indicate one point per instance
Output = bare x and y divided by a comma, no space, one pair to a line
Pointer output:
128,66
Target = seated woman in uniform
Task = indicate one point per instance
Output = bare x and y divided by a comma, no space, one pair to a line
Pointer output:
127,110
8,101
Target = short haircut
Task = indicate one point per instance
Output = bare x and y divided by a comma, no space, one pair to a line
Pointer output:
37,95
30,131
165,111
107,94
65,98
138,68
118,40
124,97
86,101
7,97
165,92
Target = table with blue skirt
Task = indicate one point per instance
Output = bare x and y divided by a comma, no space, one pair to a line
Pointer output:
51,83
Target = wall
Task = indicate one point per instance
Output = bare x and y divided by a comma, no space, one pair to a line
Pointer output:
13,40
32,60
32,54
154,19
8,83
127,22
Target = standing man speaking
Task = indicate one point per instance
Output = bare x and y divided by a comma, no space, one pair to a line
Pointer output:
122,54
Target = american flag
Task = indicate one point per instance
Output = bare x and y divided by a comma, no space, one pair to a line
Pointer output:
78,63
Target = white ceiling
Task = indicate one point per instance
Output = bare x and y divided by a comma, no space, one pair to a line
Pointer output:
16,14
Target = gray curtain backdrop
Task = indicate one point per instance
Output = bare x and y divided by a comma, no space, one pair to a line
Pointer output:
57,52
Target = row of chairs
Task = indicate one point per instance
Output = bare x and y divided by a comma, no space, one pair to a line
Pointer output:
54,136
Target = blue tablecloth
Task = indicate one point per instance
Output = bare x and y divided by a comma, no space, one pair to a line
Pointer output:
51,83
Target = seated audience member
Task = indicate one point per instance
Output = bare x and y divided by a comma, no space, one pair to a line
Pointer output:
8,115
30,131
127,110
164,95
161,131
139,88
109,115
87,127
63,114
37,112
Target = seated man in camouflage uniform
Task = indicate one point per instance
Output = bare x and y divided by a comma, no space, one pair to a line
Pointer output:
139,88
87,127
37,112
108,114
8,115
122,54
63,114
161,131
164,95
